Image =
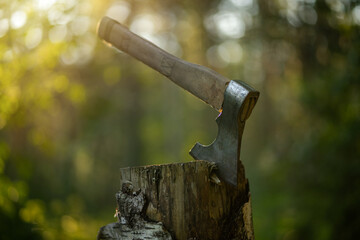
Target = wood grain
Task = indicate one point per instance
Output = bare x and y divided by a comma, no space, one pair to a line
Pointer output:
201,81
190,201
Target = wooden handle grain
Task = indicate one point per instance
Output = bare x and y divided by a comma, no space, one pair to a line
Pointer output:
201,81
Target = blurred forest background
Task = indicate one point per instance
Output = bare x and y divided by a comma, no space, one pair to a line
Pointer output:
73,111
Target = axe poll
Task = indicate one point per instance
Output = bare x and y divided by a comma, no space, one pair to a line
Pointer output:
234,99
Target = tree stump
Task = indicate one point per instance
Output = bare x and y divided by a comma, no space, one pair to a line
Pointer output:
187,200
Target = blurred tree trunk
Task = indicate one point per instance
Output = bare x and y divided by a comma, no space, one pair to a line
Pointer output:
187,198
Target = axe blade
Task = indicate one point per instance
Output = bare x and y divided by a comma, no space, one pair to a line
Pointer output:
239,100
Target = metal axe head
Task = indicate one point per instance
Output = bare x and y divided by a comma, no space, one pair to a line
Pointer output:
239,100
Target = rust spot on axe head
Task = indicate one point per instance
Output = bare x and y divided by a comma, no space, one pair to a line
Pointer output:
239,100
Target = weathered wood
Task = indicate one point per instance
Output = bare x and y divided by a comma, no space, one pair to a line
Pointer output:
131,224
191,201
151,230
201,81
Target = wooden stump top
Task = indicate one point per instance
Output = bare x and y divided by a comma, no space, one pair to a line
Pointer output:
192,202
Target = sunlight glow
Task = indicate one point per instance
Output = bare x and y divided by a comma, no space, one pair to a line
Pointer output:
8,57
169,43
242,3
33,37
57,16
4,27
308,14
70,56
119,11
293,18
230,25
44,4
143,24
146,25
58,33
226,24
79,54
230,52
80,25
356,14
18,19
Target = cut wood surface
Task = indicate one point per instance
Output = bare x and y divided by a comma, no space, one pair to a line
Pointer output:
191,201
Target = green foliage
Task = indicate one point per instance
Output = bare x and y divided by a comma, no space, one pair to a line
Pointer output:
316,149
72,110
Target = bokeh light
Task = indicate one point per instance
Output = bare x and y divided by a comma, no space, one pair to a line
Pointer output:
73,111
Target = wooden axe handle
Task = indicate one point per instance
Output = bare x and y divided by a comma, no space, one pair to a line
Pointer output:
201,81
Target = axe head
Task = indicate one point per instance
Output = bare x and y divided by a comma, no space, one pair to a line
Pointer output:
239,100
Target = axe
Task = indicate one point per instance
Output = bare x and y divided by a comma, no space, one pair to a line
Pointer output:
233,99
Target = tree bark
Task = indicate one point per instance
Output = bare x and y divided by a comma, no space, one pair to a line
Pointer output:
189,200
